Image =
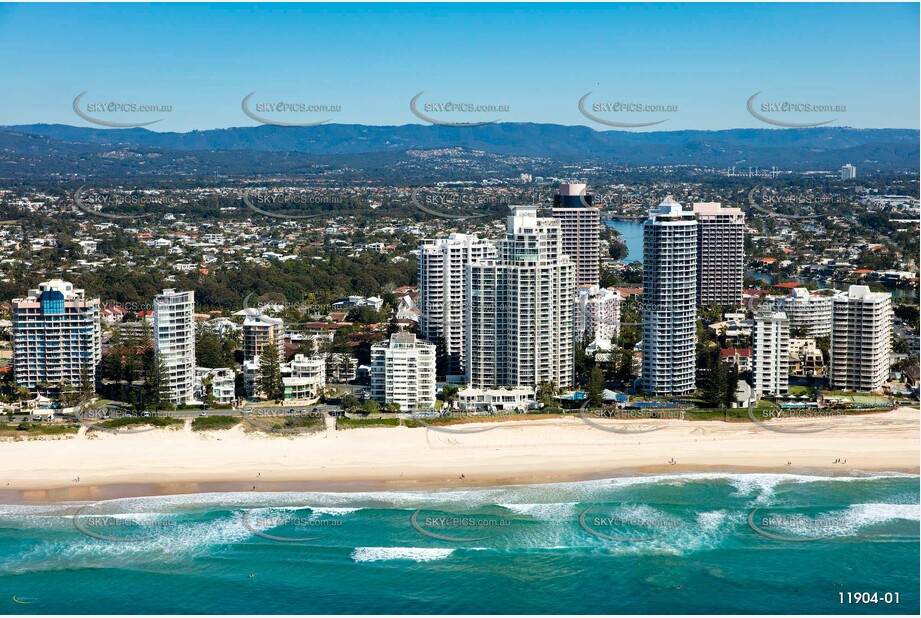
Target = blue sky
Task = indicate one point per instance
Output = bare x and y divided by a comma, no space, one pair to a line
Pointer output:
538,59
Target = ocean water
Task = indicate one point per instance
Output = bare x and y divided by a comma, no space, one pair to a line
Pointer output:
684,543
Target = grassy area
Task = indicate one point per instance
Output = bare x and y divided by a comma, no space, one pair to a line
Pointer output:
732,415
209,423
856,397
288,421
154,421
799,390
12,430
357,423
500,418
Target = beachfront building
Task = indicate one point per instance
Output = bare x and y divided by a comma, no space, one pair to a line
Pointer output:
174,343
596,315
581,226
304,377
809,314
770,353
806,359
442,293
260,331
341,367
403,372
860,339
57,342
251,377
741,358
219,383
669,300
720,254
493,399
519,307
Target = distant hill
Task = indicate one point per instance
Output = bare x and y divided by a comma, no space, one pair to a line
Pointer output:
267,147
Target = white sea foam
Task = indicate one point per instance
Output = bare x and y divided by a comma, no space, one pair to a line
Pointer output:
712,520
854,520
168,545
415,554
553,511
335,511
578,491
879,512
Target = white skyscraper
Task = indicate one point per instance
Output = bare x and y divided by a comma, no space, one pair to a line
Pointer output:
720,254
597,313
174,342
809,314
860,339
770,352
848,172
669,300
581,224
519,312
56,337
403,372
442,296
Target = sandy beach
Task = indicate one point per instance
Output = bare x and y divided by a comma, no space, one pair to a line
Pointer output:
165,461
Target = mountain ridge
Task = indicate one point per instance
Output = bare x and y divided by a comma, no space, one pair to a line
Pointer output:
821,148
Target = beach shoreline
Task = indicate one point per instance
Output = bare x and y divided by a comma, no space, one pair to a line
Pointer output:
117,491
167,462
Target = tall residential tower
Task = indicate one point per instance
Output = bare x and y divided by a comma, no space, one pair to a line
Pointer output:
403,372
56,337
770,352
174,343
442,296
861,337
519,307
669,300
720,248
581,225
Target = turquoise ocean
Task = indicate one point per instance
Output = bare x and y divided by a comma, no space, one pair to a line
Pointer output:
684,543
